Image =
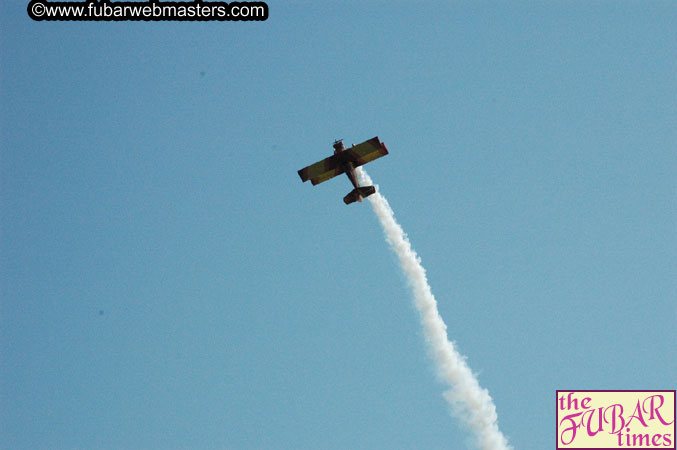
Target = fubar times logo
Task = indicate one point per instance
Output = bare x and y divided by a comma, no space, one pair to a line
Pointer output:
608,420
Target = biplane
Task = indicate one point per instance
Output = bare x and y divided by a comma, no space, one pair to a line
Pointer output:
344,160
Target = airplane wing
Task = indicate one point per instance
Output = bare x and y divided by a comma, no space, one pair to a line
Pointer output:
366,152
322,170
332,166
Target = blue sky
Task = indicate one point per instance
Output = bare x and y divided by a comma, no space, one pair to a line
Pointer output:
167,281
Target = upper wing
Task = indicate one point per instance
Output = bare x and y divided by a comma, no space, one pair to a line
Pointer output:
366,152
321,170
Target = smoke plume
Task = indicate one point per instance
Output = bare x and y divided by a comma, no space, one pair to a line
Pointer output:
468,400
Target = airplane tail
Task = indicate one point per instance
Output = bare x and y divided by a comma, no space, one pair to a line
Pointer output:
358,194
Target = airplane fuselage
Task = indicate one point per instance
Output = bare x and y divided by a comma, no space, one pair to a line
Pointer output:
347,166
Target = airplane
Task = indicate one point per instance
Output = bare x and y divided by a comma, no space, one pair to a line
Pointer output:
344,160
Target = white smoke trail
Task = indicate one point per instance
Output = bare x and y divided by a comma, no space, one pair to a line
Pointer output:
468,399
